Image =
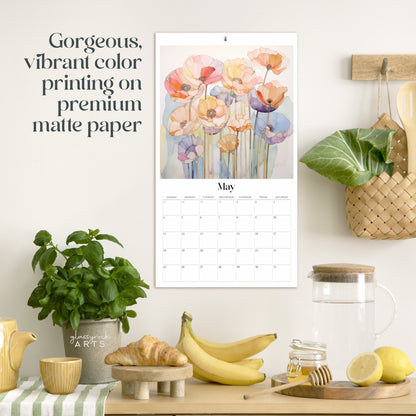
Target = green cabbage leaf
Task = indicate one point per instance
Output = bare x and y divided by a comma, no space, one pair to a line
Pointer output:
352,157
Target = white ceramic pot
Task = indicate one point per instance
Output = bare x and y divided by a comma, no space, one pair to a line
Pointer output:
92,341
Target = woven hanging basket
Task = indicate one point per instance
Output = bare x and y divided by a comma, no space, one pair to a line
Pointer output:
384,208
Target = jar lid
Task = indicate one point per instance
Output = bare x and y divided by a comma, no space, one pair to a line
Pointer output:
299,344
342,272
307,350
343,268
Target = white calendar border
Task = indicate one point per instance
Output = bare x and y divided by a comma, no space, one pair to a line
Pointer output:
196,187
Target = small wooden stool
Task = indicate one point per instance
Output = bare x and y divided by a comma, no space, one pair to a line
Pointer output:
135,379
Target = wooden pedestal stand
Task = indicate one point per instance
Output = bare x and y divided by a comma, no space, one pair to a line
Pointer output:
135,379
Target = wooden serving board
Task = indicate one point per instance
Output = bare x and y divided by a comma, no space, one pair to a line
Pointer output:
135,379
344,390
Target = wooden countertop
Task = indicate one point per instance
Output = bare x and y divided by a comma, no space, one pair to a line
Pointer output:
209,398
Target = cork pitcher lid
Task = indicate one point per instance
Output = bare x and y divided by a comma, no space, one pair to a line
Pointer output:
342,272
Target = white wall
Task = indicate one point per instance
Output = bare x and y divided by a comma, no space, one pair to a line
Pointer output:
65,182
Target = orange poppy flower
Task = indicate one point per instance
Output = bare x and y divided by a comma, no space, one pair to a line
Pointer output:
271,94
228,143
239,76
212,112
179,123
239,123
272,60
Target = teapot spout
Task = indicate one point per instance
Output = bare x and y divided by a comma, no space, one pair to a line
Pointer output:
18,343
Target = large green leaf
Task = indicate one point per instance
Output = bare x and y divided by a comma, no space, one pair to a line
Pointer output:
352,157
94,253
47,258
107,289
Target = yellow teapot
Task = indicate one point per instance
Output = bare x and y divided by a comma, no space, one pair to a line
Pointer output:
12,347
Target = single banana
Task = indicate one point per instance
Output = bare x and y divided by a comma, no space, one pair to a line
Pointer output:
255,363
232,351
209,368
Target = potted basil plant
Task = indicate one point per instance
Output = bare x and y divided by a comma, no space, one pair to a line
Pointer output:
88,295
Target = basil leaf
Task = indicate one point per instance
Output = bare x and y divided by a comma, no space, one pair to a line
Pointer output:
74,318
74,261
109,238
93,297
352,157
37,256
125,324
78,237
116,309
42,237
94,253
108,290
47,258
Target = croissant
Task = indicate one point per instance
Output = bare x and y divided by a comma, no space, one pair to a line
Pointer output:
147,351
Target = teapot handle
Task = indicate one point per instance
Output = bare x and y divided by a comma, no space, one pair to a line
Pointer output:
394,311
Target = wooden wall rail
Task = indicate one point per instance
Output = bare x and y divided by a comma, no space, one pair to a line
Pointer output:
368,67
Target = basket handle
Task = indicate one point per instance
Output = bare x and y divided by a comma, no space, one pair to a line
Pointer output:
379,92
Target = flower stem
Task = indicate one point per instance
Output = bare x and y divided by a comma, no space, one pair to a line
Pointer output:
265,76
265,142
208,164
245,154
267,161
205,154
255,165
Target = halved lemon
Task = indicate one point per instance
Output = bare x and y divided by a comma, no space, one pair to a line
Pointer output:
365,369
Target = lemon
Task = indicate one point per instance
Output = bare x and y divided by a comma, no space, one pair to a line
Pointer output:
396,364
365,369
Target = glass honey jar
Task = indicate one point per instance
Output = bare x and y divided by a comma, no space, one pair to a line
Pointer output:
305,357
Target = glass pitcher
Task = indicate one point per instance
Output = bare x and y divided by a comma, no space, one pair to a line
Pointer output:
343,297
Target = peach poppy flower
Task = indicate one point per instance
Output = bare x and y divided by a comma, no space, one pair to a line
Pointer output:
180,88
239,123
228,143
180,124
271,94
239,76
203,68
271,60
213,113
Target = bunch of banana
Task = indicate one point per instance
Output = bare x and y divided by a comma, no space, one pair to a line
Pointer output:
224,363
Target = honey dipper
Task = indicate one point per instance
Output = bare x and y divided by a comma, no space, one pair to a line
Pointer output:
318,377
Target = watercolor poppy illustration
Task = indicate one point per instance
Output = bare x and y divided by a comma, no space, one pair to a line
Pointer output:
226,118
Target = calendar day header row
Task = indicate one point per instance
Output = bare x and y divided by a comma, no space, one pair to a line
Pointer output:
227,197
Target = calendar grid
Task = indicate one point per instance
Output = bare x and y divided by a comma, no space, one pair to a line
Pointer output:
226,239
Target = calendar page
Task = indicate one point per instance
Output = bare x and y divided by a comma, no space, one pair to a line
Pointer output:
226,157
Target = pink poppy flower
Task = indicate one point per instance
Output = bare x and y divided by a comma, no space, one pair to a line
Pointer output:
203,68
271,60
180,88
228,143
239,76
180,124
239,123
213,113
